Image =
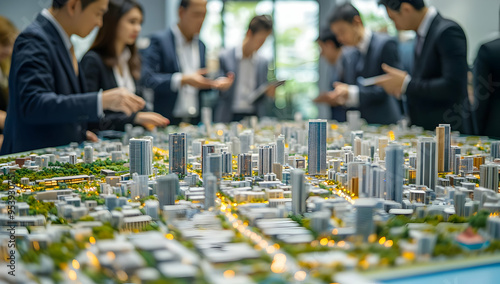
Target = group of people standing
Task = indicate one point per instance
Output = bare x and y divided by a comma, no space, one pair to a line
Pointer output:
55,100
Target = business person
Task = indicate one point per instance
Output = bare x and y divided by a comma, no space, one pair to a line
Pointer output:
331,52
173,66
113,61
250,71
436,89
487,89
8,34
48,105
365,60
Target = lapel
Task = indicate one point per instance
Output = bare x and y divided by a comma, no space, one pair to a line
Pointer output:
172,48
418,64
62,52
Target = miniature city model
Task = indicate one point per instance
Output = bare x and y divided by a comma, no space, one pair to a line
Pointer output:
251,202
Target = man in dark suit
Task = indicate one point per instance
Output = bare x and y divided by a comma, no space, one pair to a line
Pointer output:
48,104
371,51
173,66
487,89
436,89
250,73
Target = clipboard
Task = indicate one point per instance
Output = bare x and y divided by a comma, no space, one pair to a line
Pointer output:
366,82
260,91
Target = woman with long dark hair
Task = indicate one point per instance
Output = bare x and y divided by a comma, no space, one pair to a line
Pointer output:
113,61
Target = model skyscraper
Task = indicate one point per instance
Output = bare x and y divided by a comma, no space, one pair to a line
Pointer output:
317,147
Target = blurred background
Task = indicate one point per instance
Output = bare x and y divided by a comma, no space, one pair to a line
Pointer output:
292,46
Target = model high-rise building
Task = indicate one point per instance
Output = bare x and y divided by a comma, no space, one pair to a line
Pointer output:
215,165
357,146
245,165
443,137
167,189
266,160
364,174
356,134
210,184
152,208
459,202
489,176
246,141
364,217
495,149
88,153
177,153
72,158
111,201
140,186
378,183
394,164
141,156
206,150
227,164
196,148
278,170
353,177
236,147
454,165
316,149
493,227
299,194
280,150
427,162
382,143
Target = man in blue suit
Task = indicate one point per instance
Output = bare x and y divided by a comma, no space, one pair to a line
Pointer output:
173,66
250,73
48,105
436,89
371,51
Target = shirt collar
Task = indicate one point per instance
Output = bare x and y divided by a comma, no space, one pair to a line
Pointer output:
424,27
180,38
64,36
364,44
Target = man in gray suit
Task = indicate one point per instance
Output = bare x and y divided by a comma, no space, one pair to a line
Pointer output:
365,60
250,71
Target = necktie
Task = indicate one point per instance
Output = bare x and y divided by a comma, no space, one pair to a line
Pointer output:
419,45
360,63
74,61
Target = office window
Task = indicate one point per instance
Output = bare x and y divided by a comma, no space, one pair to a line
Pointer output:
291,47
375,16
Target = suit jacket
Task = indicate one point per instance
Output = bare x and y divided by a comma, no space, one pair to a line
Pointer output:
229,63
159,63
375,105
48,105
487,89
437,92
99,76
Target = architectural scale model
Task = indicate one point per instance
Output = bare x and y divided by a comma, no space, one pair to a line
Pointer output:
252,202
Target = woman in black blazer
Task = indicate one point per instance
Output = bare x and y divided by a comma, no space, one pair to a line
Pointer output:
113,61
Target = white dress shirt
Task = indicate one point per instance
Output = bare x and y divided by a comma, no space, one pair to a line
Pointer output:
188,55
67,43
246,83
422,31
125,79
363,45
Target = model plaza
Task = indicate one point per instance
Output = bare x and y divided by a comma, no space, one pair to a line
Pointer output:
253,202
